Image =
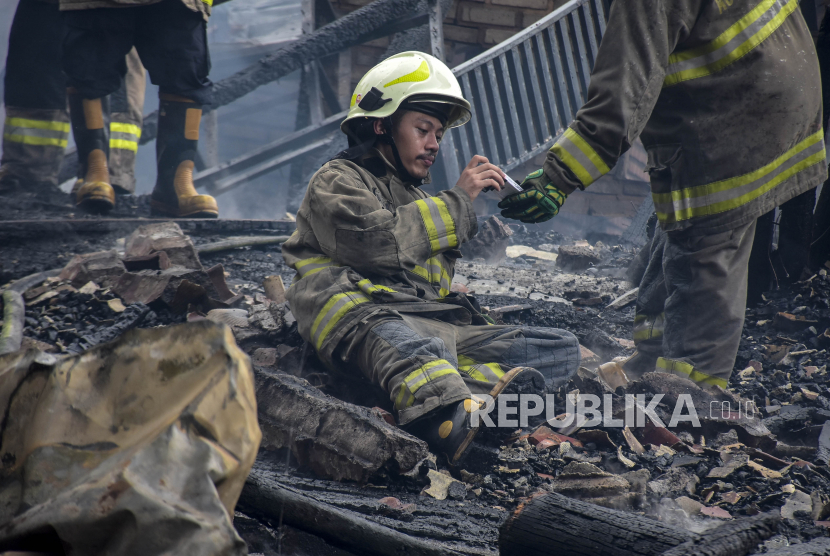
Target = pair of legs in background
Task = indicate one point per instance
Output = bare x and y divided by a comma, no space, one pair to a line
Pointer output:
36,128
171,41
691,304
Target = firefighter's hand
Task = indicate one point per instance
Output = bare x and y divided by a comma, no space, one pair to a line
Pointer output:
540,201
479,175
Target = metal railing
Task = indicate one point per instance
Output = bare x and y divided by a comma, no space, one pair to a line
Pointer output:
525,91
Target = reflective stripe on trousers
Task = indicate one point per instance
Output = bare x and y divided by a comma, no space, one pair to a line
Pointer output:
485,372
439,224
734,43
124,136
579,157
332,312
36,132
418,378
717,197
687,370
648,327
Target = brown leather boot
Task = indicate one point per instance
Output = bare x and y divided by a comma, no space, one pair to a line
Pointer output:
178,137
95,195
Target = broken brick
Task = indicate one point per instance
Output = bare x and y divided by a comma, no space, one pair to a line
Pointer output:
714,511
103,267
167,237
544,433
787,322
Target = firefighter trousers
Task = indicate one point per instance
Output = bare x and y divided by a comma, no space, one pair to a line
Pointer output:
691,304
424,364
36,128
170,39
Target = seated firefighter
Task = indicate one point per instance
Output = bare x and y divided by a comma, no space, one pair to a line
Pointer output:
375,257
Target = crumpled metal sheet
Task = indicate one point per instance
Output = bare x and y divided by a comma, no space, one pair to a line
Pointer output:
139,446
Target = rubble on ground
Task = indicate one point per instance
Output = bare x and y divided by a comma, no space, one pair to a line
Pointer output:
765,451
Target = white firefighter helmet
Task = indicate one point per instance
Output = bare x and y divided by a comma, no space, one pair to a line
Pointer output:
414,80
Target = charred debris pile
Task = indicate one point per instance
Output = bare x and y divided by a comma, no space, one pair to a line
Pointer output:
336,476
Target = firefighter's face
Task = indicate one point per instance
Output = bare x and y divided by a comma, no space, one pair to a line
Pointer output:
417,136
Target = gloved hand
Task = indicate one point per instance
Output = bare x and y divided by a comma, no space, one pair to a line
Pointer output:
540,201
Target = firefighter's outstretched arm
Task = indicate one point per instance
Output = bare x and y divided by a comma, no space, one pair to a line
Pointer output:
626,80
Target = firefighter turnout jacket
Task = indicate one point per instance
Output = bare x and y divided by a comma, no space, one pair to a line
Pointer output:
367,244
726,97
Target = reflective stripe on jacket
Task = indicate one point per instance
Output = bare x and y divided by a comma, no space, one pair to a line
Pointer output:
726,97
366,244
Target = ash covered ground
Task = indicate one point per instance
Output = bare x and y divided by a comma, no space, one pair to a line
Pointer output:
694,480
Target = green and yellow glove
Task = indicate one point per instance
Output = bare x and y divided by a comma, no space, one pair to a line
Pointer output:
540,201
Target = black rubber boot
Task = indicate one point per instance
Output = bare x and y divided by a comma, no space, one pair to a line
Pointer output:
96,195
448,430
178,138
520,381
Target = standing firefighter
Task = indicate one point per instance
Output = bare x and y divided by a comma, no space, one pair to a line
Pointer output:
36,129
375,257
726,97
170,37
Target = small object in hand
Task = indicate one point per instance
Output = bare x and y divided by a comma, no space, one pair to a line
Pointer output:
511,187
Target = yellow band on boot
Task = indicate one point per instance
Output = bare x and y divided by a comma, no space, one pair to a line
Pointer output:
192,118
96,168
93,114
687,370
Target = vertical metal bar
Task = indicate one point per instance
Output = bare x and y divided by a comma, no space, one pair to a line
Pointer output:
541,118
448,155
210,137
492,151
563,89
449,159
530,122
499,136
314,93
600,11
573,81
344,77
436,30
310,78
510,100
463,145
477,144
547,76
589,28
581,52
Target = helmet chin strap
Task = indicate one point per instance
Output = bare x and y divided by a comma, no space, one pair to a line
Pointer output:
387,138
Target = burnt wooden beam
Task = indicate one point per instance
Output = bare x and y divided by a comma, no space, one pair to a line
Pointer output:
555,524
332,524
733,538
357,518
